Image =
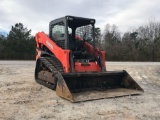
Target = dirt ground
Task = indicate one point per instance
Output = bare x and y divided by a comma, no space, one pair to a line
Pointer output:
21,98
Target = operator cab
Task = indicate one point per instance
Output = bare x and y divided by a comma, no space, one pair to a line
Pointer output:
73,33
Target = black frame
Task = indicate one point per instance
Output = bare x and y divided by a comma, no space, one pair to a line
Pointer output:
66,20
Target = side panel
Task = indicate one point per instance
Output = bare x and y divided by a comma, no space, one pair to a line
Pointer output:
89,49
92,67
62,55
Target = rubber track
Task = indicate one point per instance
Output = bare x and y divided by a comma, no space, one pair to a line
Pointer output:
48,62
56,63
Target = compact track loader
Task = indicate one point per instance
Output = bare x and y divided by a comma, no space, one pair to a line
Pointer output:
68,62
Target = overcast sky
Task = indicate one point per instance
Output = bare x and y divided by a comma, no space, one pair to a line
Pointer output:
36,14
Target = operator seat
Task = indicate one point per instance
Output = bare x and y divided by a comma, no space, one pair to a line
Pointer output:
78,50
75,45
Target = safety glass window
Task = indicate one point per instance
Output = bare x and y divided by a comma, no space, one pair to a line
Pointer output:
58,31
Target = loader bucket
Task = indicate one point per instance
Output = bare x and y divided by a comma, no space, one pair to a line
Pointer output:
78,87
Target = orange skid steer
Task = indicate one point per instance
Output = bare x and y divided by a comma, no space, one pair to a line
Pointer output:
68,62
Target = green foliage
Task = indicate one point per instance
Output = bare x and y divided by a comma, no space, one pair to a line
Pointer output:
18,45
141,44
2,45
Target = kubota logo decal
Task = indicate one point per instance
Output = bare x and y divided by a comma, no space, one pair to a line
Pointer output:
49,44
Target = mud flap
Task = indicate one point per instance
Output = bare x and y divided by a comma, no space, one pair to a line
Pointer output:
78,87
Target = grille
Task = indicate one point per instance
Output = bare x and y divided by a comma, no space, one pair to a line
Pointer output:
84,31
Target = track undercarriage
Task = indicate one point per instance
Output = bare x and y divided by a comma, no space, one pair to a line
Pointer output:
84,86
68,61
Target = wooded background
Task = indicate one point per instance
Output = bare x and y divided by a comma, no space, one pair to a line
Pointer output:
140,44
